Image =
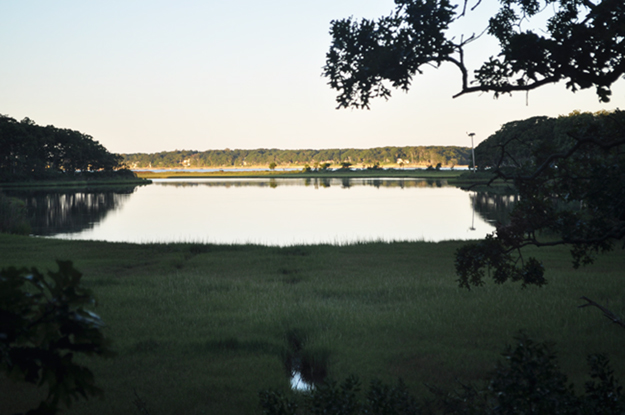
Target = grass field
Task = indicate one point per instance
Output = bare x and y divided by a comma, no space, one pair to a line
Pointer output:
201,329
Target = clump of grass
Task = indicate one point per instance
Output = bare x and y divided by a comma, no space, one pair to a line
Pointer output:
146,346
287,271
294,251
291,280
197,249
140,404
231,343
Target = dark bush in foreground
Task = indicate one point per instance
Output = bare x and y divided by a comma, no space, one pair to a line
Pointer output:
43,325
527,382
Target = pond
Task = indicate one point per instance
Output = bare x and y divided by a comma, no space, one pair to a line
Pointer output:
268,211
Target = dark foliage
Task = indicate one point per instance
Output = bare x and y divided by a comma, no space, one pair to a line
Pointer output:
525,139
581,43
43,326
29,151
571,183
527,382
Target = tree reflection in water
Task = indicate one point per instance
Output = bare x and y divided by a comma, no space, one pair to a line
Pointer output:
317,182
68,211
404,215
493,207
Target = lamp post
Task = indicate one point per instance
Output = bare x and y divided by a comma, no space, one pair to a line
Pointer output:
472,149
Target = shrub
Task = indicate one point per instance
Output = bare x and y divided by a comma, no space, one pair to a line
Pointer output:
43,324
342,399
527,382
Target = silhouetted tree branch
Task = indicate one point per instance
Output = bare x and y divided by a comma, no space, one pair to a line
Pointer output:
609,314
581,43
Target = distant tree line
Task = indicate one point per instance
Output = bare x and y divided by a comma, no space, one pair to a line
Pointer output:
30,151
403,156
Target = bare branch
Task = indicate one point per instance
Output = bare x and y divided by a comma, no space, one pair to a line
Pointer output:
609,314
614,233
476,4
506,88
460,65
464,7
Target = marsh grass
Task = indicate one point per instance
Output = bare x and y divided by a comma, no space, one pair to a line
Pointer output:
203,328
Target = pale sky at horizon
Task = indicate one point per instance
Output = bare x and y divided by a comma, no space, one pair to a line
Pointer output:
150,76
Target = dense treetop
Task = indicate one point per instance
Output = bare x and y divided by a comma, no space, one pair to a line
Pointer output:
570,175
30,151
532,140
432,155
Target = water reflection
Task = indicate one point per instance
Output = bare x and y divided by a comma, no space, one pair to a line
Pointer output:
320,182
305,366
55,212
269,211
299,384
494,207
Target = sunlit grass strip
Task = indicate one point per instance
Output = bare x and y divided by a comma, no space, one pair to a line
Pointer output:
399,173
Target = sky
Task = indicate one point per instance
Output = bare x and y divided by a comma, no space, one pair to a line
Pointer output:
155,75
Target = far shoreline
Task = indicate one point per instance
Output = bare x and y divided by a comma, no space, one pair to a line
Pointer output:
292,168
224,173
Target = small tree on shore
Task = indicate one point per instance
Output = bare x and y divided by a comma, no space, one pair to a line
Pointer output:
345,165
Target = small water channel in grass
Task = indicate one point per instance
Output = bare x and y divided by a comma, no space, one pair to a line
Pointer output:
305,366
268,211
299,384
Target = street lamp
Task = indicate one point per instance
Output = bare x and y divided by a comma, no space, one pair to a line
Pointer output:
472,149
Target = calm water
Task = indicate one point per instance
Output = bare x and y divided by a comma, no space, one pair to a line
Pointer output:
269,211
